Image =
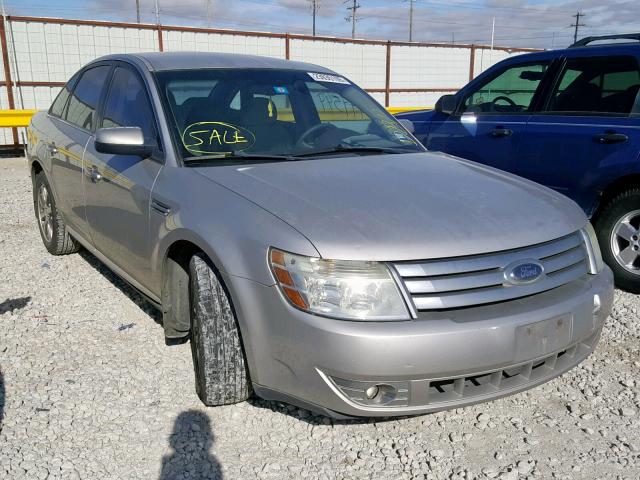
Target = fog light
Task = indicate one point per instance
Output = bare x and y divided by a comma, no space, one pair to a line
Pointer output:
372,392
597,304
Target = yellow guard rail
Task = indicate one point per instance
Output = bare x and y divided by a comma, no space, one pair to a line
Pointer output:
15,118
21,118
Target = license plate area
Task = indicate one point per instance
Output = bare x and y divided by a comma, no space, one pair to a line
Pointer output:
545,337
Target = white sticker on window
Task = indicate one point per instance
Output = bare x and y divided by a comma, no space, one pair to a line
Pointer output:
325,77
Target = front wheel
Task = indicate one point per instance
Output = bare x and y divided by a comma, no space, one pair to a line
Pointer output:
218,359
618,230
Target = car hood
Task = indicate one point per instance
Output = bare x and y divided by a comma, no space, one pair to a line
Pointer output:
402,207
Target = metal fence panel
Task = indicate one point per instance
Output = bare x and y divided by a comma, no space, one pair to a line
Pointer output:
429,67
215,42
364,64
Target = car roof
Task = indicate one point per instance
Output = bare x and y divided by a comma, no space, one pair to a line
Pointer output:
627,48
160,61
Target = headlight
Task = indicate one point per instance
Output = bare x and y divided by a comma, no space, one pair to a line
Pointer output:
595,256
337,288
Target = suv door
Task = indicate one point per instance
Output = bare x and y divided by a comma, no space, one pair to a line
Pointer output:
118,187
491,117
587,133
72,120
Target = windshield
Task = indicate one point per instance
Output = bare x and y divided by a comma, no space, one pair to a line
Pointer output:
252,112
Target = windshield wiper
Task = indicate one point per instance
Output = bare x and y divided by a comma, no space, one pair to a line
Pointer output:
342,148
240,155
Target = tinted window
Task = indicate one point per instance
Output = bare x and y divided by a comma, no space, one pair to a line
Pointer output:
511,91
84,100
606,85
127,104
61,100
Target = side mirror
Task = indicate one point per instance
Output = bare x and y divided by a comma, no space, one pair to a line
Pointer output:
122,141
407,124
446,104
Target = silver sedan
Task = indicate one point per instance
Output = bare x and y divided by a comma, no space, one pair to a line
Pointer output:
307,245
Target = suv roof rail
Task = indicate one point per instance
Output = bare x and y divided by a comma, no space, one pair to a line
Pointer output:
587,40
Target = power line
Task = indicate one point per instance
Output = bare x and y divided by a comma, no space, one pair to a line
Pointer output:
353,16
577,24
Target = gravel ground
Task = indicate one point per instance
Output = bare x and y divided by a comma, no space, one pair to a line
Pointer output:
88,390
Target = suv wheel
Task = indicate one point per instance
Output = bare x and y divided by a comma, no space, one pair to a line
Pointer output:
618,229
218,359
52,227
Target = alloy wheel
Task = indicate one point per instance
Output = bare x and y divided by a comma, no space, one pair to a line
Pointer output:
45,213
625,242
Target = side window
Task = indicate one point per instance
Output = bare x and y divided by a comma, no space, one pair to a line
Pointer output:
128,105
600,85
57,107
84,100
511,91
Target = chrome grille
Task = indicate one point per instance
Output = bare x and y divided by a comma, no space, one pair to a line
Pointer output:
479,279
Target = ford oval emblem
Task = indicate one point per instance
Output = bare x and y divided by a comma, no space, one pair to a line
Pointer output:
523,272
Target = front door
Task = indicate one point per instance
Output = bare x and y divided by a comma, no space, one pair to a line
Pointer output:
589,131
491,119
118,187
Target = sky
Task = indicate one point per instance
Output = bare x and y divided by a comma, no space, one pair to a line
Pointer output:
518,23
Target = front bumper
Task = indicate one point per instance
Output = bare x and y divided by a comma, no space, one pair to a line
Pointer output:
439,361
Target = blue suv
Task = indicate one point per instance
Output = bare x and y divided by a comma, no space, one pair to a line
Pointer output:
568,119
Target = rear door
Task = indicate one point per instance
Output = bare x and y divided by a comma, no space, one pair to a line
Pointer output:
73,122
118,187
492,116
589,130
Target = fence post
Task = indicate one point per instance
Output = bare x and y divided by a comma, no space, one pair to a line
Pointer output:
472,62
160,42
387,86
7,74
287,46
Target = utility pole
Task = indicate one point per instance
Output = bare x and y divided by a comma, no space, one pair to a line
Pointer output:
353,17
411,20
314,10
493,35
577,24
208,12
138,10
157,13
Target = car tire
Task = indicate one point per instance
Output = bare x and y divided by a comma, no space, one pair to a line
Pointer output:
609,228
218,358
52,228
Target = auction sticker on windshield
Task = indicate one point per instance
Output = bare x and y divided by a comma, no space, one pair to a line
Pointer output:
325,77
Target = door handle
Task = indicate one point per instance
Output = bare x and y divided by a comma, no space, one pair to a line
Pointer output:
95,175
501,132
610,138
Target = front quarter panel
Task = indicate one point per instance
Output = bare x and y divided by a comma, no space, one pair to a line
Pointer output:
235,233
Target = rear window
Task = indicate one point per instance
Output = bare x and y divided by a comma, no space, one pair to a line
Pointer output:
601,85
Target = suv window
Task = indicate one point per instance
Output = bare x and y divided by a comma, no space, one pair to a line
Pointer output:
84,100
511,91
601,85
128,105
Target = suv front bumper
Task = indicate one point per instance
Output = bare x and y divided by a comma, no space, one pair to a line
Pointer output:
439,361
